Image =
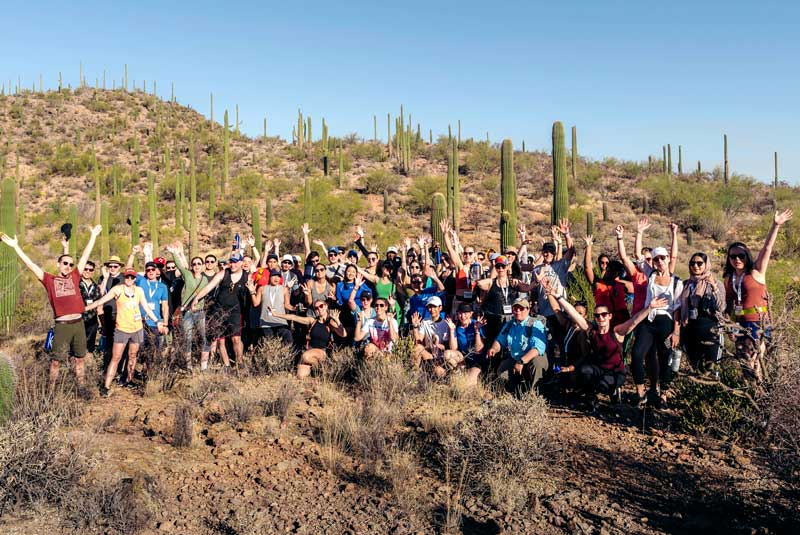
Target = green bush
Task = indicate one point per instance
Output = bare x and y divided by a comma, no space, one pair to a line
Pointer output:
368,151
68,161
379,180
332,213
589,175
483,159
421,191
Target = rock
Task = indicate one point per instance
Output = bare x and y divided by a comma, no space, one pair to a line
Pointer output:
166,526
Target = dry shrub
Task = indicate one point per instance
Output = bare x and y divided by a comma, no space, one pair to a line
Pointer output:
389,380
33,396
126,505
240,409
208,387
183,426
37,463
270,357
340,366
285,398
402,473
330,435
502,450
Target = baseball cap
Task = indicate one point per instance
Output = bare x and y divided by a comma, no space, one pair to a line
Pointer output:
129,271
392,249
275,273
501,260
235,257
549,247
465,307
492,256
160,260
150,264
366,293
334,250
434,302
272,256
521,302
660,251
287,258
352,252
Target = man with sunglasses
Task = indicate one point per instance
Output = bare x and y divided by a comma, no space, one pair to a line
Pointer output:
112,276
210,265
172,278
90,292
523,340
157,297
63,293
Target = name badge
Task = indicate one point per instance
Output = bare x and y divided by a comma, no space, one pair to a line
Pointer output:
506,309
692,313
468,294
737,310
89,301
137,317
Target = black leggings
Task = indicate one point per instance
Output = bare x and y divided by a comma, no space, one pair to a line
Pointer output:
701,343
650,347
592,379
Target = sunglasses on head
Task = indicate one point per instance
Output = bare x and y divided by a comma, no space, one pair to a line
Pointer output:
737,256
602,314
65,263
696,263
130,276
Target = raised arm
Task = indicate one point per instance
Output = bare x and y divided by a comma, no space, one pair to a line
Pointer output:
430,272
624,328
359,241
147,249
570,311
305,320
251,241
587,259
306,243
136,249
94,232
673,249
564,227
213,283
762,260
14,244
641,226
630,267
455,258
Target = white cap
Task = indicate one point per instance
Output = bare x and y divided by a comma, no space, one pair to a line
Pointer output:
287,258
391,249
659,251
434,301
493,256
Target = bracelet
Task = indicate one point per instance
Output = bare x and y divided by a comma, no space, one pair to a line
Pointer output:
620,238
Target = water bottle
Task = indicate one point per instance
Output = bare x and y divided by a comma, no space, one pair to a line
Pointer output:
237,242
556,369
48,342
675,359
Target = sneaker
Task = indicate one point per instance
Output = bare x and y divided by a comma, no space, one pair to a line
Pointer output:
104,392
616,397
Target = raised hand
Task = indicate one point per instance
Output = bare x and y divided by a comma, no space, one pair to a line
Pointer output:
416,319
319,242
251,284
782,217
450,324
306,290
407,243
306,230
8,240
554,232
136,249
96,230
480,321
673,228
522,232
334,314
64,243
360,231
643,224
147,248
276,242
359,280
619,230
589,239
563,226
445,226
251,240
373,248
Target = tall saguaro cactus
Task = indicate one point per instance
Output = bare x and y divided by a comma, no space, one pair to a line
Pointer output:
438,214
669,159
152,206
508,195
105,246
226,153
560,208
453,188
574,154
725,168
194,245
680,160
9,268
307,199
256,223
324,147
268,214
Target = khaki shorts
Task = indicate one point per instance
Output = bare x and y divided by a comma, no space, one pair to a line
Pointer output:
69,339
134,338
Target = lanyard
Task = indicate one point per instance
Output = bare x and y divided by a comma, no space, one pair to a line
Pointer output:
151,292
504,291
737,288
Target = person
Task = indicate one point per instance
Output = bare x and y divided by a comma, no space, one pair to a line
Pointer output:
111,277
157,297
499,294
274,301
609,289
431,337
131,302
417,302
379,332
602,370
318,339
524,340
193,320
63,293
210,263
90,292
467,270
466,343
702,300
747,301
640,271
318,289
659,333
227,306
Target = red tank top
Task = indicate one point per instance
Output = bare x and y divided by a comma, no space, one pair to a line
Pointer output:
607,351
747,292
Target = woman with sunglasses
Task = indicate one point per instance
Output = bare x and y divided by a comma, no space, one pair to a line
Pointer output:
746,295
193,322
603,369
608,289
129,330
703,298
379,332
318,289
319,335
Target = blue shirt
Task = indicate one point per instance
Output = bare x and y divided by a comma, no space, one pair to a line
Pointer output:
344,289
514,337
465,337
418,301
155,292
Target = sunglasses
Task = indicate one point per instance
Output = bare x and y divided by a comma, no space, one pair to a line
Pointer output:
65,263
113,266
414,267
602,314
737,256
469,252
416,281
88,269
659,258
500,266
332,254
210,261
197,263
603,263
319,271
130,276
648,258
171,268
148,270
380,305
697,263
320,307
518,308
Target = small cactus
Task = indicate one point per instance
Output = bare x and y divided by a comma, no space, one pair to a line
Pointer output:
725,168
689,236
9,267
589,223
644,204
226,152
268,213
605,212
256,223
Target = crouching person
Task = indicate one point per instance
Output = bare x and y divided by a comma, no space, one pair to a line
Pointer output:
524,340
602,370
380,331
432,337
319,337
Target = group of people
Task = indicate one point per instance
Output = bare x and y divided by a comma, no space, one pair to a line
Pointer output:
480,312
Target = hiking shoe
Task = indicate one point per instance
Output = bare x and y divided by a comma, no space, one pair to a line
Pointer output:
616,397
104,392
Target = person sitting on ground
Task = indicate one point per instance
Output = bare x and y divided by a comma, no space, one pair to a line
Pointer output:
63,292
524,340
131,302
379,332
603,370
467,334
431,337
702,301
318,338
747,300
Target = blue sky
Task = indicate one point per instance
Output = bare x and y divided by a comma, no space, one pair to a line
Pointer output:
631,75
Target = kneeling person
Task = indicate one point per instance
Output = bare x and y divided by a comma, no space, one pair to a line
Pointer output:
524,339
380,331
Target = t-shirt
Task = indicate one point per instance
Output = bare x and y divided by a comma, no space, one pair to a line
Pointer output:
418,302
435,332
556,273
465,337
379,332
64,293
129,313
155,293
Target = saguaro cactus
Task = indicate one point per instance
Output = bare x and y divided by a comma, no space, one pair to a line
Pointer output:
725,168
680,160
589,223
212,190
179,198
605,212
689,236
6,388
508,195
669,159
438,214
324,147
97,200
194,244
268,210
134,220
307,200
105,247
226,153
9,268
152,206
664,159
341,166
574,153
256,223
560,208
453,188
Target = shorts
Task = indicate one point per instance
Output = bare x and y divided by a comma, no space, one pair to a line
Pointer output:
134,338
230,325
68,339
478,360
